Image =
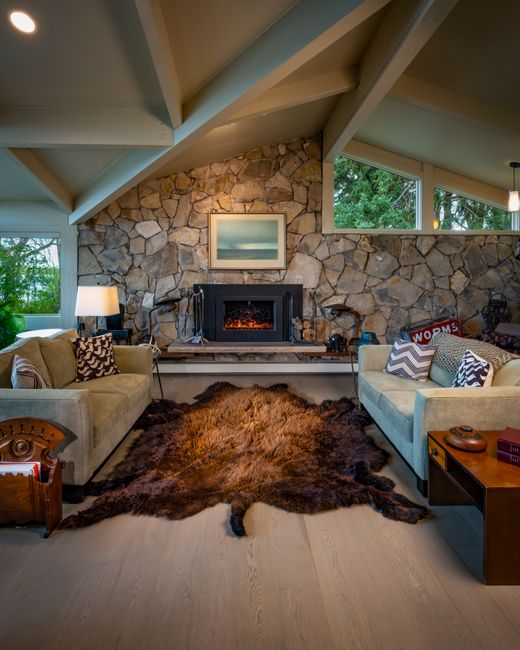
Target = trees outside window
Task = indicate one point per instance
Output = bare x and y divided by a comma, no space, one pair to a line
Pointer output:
456,212
366,196
30,274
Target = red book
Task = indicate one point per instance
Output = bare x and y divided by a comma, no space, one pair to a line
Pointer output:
512,459
509,441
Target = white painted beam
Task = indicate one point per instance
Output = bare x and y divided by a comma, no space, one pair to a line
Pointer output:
152,22
301,34
299,92
439,100
43,177
407,26
99,128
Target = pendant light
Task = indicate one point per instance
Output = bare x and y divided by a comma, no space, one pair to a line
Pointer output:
513,204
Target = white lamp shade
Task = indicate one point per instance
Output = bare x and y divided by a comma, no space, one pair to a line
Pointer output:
514,201
97,301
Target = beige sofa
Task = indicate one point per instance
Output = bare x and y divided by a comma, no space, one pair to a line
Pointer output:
99,412
406,410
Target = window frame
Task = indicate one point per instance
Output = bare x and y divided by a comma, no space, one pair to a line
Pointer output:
428,177
31,219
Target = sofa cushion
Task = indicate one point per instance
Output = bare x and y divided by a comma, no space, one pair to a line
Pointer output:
59,356
28,349
441,376
26,375
397,407
450,350
122,384
94,357
108,409
473,372
410,360
374,382
508,375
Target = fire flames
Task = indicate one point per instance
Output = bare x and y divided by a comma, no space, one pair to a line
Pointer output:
246,324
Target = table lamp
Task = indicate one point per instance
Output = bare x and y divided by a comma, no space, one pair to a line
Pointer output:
97,301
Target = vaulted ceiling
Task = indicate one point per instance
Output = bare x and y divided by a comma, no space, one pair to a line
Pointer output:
107,93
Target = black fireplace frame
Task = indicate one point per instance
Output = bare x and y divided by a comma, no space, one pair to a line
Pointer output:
287,303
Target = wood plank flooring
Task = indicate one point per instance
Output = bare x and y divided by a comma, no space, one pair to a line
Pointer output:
348,579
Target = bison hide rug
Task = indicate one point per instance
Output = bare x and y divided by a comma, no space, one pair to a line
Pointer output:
242,445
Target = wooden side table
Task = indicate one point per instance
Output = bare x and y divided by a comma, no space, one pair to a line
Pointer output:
464,478
27,499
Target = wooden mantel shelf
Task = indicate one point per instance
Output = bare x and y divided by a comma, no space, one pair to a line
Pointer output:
215,347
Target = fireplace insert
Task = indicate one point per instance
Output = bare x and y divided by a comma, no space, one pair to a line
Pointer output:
250,312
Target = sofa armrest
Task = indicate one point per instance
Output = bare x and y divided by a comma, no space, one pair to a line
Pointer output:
133,359
438,409
373,357
70,408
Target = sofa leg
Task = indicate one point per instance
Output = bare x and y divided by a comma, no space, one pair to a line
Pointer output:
422,486
73,493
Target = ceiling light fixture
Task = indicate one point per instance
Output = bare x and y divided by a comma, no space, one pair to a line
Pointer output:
22,22
513,204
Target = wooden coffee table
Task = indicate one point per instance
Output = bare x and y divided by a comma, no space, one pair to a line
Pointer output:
464,478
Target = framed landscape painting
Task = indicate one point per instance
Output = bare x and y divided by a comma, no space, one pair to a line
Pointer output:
246,241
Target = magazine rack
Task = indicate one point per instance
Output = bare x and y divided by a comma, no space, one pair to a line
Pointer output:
26,499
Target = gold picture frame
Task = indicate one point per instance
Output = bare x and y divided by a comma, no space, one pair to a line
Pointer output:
247,241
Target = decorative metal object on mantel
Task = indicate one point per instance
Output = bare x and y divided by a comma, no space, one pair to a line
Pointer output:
338,309
166,302
496,311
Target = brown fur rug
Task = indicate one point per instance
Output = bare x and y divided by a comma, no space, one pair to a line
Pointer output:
241,445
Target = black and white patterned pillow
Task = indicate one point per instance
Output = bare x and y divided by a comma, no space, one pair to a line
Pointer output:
94,357
410,360
473,372
26,375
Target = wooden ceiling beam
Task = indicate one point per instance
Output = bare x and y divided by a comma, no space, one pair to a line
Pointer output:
84,128
439,100
301,34
407,26
300,92
43,177
154,27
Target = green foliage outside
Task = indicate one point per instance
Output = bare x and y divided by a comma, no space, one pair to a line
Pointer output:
10,325
369,197
29,275
456,212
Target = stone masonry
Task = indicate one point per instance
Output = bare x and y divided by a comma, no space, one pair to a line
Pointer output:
154,239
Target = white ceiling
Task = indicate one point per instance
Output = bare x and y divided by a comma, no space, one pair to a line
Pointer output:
87,97
205,36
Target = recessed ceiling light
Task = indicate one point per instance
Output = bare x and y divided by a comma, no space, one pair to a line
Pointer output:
22,21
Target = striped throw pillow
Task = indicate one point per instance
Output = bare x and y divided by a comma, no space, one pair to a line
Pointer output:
410,360
94,357
473,372
26,375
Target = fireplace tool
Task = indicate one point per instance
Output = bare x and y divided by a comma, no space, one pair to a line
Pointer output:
198,319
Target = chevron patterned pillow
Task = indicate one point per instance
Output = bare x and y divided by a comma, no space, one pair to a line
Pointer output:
26,375
94,357
473,372
410,360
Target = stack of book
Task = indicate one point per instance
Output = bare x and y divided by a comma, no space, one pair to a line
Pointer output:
508,446
25,469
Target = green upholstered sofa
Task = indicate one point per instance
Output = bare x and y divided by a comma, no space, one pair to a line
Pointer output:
99,412
406,410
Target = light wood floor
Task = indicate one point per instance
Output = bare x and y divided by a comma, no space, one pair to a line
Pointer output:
341,580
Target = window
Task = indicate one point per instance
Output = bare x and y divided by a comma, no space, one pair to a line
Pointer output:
30,273
366,196
456,212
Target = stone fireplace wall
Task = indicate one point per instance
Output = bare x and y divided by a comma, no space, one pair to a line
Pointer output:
154,239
